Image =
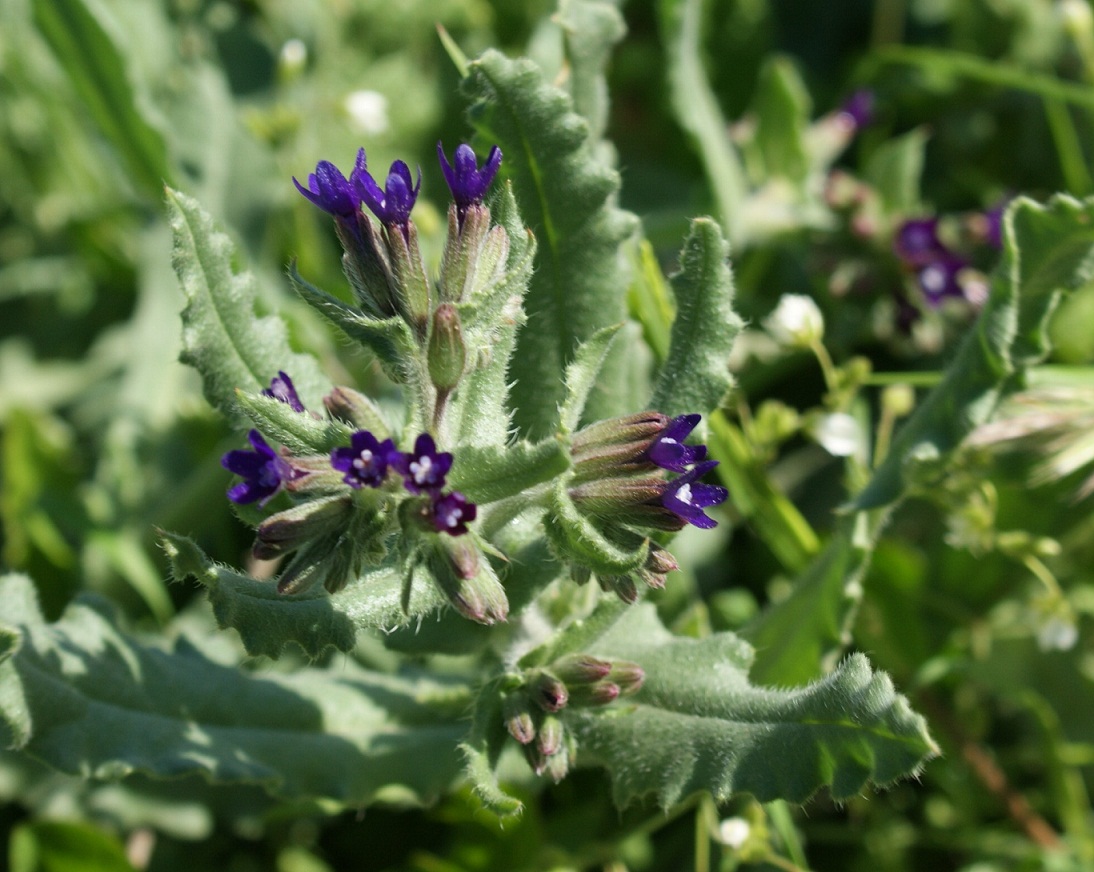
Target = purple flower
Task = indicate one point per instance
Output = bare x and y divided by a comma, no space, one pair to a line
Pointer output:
686,498
467,182
263,471
451,513
391,205
424,468
917,241
281,388
365,461
669,451
330,190
859,107
938,278
993,218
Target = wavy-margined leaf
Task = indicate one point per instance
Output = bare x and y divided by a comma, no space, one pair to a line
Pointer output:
84,697
697,723
1049,249
267,621
221,336
581,375
590,28
567,198
695,377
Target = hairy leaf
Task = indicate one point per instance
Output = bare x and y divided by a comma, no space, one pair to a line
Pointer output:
86,698
298,431
1049,249
581,375
567,198
267,621
489,473
590,29
697,724
221,336
696,377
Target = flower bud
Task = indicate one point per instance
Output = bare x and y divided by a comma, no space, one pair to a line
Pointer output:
550,736
366,265
617,446
411,282
796,321
357,410
578,669
558,764
628,675
518,718
466,577
549,693
600,693
622,586
447,351
608,496
289,530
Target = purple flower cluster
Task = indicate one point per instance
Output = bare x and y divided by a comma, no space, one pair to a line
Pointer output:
330,190
936,268
366,461
264,471
685,496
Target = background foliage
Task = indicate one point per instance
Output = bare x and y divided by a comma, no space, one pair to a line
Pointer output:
979,579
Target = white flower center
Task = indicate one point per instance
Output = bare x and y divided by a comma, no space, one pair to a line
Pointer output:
364,460
684,494
420,469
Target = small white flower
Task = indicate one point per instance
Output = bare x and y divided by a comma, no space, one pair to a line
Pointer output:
1057,634
367,112
294,55
796,321
839,434
734,832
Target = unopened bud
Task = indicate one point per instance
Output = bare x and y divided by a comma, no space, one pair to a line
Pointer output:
518,718
580,573
447,351
289,530
365,266
468,580
796,321
549,692
577,669
607,496
411,282
558,764
357,410
622,586
617,444
628,675
550,736
600,693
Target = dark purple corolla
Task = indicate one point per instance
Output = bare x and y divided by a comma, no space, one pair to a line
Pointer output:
686,497
669,451
331,191
451,513
939,278
393,203
917,241
859,107
467,182
264,471
281,388
365,461
423,469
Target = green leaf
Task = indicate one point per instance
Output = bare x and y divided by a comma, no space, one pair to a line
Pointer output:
579,538
696,110
567,198
486,474
895,170
63,846
97,70
390,340
590,29
697,724
1049,250
298,431
797,639
782,108
221,336
267,621
695,377
482,749
582,373
85,698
